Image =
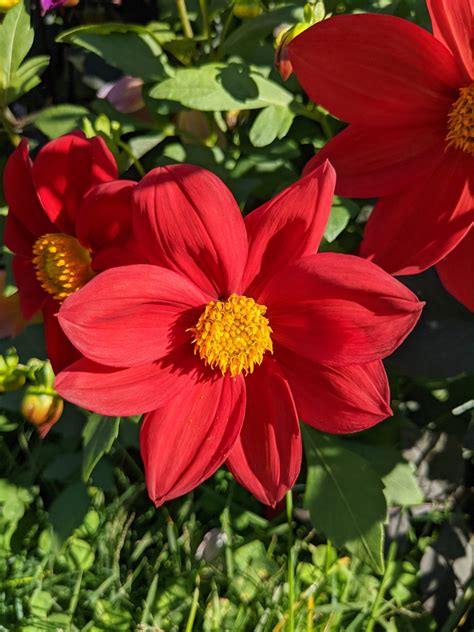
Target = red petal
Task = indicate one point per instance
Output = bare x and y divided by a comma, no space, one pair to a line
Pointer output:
105,217
453,22
456,271
288,227
337,399
412,230
64,171
266,458
184,442
60,351
370,162
20,193
32,295
376,68
132,315
128,391
338,309
17,238
188,220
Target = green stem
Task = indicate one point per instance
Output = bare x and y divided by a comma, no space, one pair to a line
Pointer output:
291,563
225,29
313,115
374,612
183,14
133,158
205,19
7,120
461,609
194,607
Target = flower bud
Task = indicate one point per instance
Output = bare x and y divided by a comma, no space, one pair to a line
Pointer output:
41,408
284,34
247,8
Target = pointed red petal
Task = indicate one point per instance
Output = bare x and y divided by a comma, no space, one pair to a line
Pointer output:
132,315
412,230
336,399
186,219
288,227
338,309
266,458
184,442
376,68
456,271
370,162
64,171
453,24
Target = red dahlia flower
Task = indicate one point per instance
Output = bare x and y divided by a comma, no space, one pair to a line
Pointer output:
409,99
61,238
232,331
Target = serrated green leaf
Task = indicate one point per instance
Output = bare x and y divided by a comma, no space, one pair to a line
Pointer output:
221,87
99,435
344,495
131,48
271,123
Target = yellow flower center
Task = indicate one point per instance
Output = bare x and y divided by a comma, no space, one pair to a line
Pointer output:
461,121
62,265
233,335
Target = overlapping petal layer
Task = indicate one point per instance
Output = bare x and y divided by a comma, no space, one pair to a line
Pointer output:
288,227
336,399
456,271
186,219
185,442
453,24
60,185
376,68
412,230
266,458
339,309
373,161
132,315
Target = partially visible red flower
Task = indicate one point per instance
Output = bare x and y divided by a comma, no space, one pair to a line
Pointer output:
233,331
60,235
409,98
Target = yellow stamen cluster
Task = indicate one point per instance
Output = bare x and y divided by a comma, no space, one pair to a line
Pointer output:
62,265
461,121
233,335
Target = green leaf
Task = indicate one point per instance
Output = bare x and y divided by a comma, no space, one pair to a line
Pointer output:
27,77
16,39
221,87
400,484
131,48
68,509
99,435
345,497
272,122
60,119
338,220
